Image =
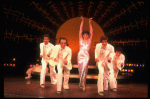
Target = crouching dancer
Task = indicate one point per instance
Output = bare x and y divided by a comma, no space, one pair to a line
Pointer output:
63,54
118,62
103,59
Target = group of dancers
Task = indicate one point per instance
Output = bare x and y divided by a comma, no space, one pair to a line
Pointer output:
109,62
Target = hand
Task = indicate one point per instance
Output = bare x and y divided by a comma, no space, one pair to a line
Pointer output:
90,20
82,18
103,63
109,58
109,61
49,54
50,58
122,65
96,59
41,56
65,62
55,60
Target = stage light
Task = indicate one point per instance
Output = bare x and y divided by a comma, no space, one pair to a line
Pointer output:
123,74
140,65
4,64
134,64
137,65
128,74
37,60
129,64
143,65
14,59
7,65
132,70
122,70
30,65
10,64
128,70
125,70
13,65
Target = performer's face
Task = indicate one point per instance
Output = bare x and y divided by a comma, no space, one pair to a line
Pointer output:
104,43
63,43
118,53
46,40
85,36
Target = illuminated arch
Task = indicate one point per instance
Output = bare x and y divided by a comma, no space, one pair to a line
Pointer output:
70,30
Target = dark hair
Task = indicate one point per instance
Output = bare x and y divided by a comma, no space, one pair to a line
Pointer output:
62,38
103,38
85,32
46,35
119,49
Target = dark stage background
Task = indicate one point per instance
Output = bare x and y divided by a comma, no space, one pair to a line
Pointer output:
125,24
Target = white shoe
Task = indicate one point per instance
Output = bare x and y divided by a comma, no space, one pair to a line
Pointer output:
80,86
114,89
66,86
83,88
106,89
101,93
54,83
58,92
42,86
28,77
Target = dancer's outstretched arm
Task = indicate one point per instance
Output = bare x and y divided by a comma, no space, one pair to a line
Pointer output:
81,29
91,28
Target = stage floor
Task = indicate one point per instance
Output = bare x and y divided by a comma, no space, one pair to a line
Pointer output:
18,87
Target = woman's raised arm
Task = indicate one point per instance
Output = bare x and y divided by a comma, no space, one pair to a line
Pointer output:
81,29
91,28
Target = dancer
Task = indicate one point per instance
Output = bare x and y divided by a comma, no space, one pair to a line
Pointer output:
46,50
103,59
32,69
85,39
118,62
63,54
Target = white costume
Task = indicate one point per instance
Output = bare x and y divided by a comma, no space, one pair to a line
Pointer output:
62,55
105,68
44,50
116,61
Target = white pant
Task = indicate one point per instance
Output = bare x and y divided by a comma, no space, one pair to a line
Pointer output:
109,77
43,73
101,69
115,75
60,75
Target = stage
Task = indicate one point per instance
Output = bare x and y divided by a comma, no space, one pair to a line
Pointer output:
18,87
